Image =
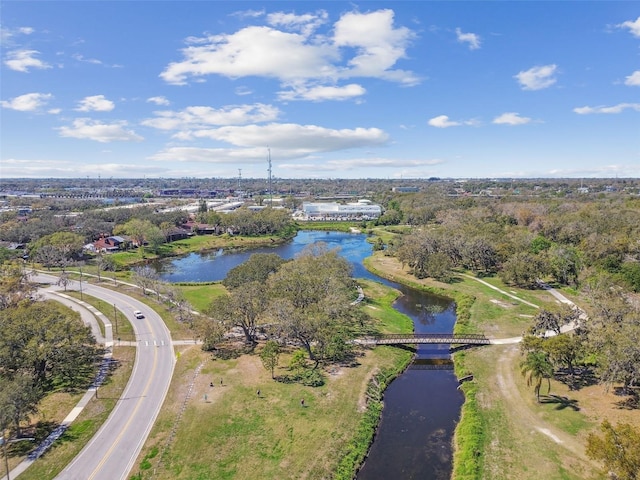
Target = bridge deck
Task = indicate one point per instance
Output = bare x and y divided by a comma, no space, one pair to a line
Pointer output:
422,338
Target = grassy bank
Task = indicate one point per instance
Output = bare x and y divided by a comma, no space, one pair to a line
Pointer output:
121,326
200,295
228,431
463,301
329,226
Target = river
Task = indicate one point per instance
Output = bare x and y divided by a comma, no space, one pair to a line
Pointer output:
421,406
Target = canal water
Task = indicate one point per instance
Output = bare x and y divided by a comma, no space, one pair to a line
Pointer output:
421,406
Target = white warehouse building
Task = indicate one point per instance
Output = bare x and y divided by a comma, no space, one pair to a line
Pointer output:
360,210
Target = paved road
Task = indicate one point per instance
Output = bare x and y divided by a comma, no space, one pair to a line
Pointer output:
111,453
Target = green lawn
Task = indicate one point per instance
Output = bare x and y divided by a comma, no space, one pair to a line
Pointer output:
200,296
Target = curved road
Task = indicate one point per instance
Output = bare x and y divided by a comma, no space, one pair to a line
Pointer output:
112,451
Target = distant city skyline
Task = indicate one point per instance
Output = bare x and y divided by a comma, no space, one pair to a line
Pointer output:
401,89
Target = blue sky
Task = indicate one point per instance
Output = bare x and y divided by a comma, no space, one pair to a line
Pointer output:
331,89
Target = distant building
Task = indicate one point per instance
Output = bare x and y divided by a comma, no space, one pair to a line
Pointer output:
405,189
360,210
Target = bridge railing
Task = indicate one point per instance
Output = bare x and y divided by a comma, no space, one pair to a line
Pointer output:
397,338
477,336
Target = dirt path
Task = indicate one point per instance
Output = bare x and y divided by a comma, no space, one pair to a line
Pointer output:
522,414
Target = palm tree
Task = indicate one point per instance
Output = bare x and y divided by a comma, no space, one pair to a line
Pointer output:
536,367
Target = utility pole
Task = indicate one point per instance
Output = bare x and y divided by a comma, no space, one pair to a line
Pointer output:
239,177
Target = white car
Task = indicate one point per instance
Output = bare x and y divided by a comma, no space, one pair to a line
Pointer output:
138,314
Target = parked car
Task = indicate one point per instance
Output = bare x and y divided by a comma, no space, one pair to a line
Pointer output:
138,314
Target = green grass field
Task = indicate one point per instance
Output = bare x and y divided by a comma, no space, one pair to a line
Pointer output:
200,296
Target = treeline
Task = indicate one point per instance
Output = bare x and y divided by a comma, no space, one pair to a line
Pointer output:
44,347
590,244
566,242
58,241
268,221
89,224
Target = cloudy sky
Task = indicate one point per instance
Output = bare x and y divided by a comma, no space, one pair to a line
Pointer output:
328,89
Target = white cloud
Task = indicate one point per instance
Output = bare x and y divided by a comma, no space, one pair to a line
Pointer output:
633,26
211,155
28,102
243,90
158,100
23,60
619,108
633,80
195,118
443,121
80,58
86,128
300,139
95,103
296,57
378,43
286,141
511,118
537,78
39,168
318,93
7,34
306,23
248,13
471,38
253,51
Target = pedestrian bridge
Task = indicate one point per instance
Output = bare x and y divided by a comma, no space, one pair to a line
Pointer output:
421,338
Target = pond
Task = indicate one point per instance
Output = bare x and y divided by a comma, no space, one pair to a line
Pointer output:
422,406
